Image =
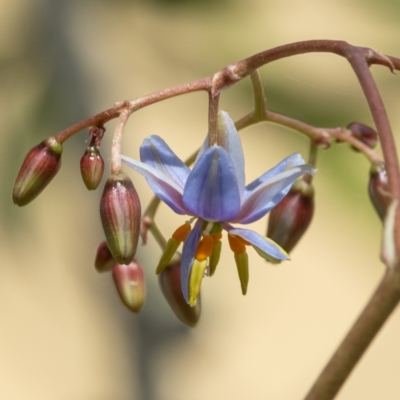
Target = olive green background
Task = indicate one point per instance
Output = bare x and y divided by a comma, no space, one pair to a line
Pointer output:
64,334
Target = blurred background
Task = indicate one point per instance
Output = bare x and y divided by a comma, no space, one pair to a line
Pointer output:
64,333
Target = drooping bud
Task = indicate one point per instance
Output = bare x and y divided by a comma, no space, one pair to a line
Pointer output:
291,217
120,215
378,189
364,133
130,284
40,166
92,167
170,283
104,260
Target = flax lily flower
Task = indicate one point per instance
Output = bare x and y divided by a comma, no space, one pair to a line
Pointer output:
214,194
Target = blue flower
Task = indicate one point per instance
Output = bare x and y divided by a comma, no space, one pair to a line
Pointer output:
214,193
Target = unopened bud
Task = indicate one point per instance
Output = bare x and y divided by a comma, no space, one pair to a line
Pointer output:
378,189
130,284
40,166
170,283
291,217
92,167
120,215
104,260
364,133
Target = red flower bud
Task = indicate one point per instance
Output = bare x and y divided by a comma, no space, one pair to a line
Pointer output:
40,166
170,283
291,217
364,133
130,284
378,189
104,260
92,167
120,215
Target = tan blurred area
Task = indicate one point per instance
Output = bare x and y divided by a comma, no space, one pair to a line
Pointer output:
64,334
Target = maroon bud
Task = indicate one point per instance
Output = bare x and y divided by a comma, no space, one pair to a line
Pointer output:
130,284
291,217
364,133
104,260
40,166
170,283
378,189
120,215
92,167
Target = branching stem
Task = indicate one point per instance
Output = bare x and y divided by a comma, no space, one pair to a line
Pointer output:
387,294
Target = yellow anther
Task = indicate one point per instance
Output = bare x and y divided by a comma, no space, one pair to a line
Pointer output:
181,233
237,244
242,264
196,276
214,258
170,249
204,249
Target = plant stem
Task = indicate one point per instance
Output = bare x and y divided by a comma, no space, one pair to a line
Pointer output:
371,320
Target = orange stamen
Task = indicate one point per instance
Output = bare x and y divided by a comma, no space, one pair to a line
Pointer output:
237,244
217,237
181,233
204,249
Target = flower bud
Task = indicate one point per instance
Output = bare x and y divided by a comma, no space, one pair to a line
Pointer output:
378,189
364,133
104,260
130,284
170,283
40,166
120,215
92,167
291,217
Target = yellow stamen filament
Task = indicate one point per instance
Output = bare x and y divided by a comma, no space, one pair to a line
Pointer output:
237,244
204,249
181,233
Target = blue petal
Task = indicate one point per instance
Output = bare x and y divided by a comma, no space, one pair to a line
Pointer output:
188,253
211,191
162,185
267,194
265,247
233,146
157,154
289,162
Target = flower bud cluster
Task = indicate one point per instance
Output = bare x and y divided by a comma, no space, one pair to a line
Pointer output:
119,210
